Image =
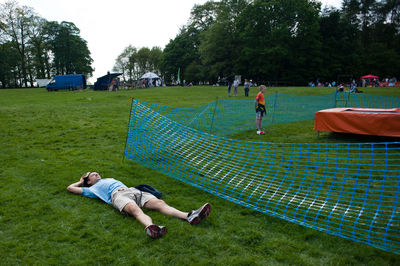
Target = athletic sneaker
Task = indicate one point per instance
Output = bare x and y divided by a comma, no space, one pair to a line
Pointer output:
155,231
196,216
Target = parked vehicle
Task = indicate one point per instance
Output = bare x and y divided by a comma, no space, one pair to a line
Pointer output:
67,82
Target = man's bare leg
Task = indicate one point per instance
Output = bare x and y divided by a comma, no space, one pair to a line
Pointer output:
258,124
134,210
164,208
152,230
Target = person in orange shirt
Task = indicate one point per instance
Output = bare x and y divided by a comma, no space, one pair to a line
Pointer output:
260,109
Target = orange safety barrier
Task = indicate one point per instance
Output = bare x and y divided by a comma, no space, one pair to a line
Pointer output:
379,122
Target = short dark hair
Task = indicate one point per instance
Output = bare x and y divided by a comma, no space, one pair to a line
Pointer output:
85,179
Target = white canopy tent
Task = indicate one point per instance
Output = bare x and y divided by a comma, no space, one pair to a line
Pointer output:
151,79
150,75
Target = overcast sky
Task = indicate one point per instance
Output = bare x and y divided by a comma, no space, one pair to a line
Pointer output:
110,26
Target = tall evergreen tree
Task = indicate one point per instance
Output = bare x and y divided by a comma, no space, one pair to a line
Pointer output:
71,54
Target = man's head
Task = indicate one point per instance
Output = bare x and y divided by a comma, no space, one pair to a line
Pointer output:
90,178
263,88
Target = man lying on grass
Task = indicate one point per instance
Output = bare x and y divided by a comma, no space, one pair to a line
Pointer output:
131,200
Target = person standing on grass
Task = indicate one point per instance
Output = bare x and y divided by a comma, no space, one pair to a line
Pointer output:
131,200
235,86
229,85
260,109
246,88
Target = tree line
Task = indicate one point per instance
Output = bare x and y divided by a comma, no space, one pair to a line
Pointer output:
288,42
133,62
282,41
33,48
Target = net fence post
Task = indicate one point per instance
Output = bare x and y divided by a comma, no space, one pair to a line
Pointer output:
273,111
212,118
127,130
335,104
347,99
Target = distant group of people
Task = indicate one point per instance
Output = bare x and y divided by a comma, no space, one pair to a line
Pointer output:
236,82
369,82
146,83
115,84
390,82
317,83
363,82
353,87
186,84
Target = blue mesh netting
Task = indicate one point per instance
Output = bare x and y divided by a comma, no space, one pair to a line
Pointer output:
345,189
356,100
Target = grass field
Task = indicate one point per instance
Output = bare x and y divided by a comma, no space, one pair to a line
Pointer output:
48,140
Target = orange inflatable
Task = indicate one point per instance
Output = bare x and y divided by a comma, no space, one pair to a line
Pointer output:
379,122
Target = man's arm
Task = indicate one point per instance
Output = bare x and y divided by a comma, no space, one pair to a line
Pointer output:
76,187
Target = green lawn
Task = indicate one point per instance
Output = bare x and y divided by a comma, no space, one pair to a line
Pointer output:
48,139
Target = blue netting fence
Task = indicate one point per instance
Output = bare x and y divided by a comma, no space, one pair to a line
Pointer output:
356,100
346,189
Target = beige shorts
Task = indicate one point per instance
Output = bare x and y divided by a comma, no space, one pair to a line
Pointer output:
122,196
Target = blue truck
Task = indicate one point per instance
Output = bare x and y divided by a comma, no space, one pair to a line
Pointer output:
67,82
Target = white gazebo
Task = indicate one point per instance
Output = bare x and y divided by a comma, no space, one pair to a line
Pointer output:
150,75
152,79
